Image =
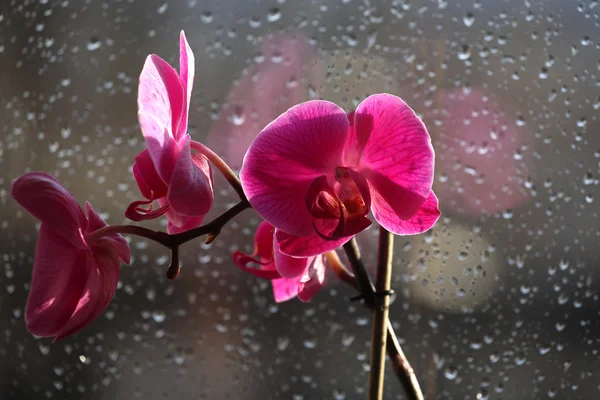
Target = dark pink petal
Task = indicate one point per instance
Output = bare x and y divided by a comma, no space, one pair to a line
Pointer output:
301,144
312,279
186,74
422,221
59,277
264,269
395,152
98,292
263,241
113,242
47,200
161,101
288,267
285,289
177,223
150,184
136,212
306,246
191,185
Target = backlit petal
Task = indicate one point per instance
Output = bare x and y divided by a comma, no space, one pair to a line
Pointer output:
285,289
47,200
149,182
288,267
422,221
60,273
395,152
161,101
191,186
301,144
98,292
312,279
306,246
186,74
113,242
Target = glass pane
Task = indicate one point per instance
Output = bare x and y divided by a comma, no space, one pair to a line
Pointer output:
498,300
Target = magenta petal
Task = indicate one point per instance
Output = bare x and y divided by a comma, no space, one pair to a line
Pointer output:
114,242
422,221
288,267
191,186
285,289
186,74
47,200
99,290
263,240
150,184
301,144
258,268
395,152
58,280
161,102
306,246
312,279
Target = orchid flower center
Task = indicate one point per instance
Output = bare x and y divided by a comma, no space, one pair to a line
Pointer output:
339,206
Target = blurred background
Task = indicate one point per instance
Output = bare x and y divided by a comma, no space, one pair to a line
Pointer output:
499,301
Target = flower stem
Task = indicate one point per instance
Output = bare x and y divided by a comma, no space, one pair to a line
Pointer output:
172,242
222,166
402,368
381,314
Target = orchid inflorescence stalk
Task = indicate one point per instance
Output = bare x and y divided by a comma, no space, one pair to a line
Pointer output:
314,174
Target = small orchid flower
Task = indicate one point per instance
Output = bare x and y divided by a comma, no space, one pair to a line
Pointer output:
167,170
75,272
290,277
315,172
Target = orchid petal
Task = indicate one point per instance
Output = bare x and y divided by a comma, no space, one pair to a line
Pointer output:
149,182
301,144
46,199
306,246
422,221
262,269
161,103
263,240
395,152
191,186
288,267
312,279
285,289
58,280
186,74
114,242
99,290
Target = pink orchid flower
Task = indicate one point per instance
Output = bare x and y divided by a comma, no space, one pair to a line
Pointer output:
290,277
314,173
167,170
75,272
483,155
263,92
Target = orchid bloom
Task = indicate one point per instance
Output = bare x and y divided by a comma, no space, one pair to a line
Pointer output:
315,171
290,277
167,171
75,272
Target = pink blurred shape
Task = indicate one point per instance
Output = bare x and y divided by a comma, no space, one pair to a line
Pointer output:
75,274
483,155
264,91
